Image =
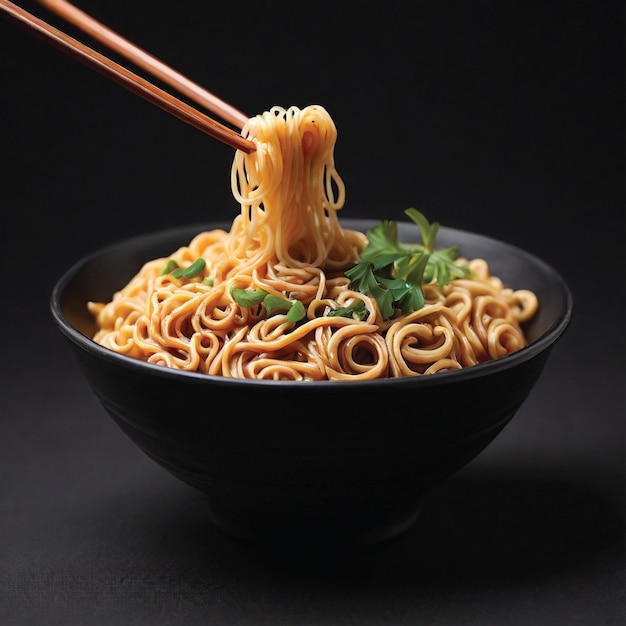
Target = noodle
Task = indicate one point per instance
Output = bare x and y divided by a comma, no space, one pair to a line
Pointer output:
287,242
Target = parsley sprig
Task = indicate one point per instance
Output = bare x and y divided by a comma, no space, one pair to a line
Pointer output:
393,273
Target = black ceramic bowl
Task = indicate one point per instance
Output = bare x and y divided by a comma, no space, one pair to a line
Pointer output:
269,461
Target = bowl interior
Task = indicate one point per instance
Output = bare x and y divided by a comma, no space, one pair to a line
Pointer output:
99,275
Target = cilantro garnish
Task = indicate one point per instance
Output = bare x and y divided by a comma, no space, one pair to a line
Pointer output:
393,273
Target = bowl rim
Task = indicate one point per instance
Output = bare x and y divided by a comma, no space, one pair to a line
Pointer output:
531,350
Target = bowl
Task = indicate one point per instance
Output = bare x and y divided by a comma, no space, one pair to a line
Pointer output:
330,460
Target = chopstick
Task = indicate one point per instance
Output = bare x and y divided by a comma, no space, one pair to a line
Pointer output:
124,77
146,61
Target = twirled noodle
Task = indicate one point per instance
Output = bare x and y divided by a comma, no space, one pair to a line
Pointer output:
287,241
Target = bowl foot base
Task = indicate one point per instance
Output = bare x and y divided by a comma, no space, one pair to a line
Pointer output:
348,527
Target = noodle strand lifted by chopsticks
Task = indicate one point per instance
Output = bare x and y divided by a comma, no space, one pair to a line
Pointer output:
287,241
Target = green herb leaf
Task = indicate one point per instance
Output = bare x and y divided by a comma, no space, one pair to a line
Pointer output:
364,280
357,310
406,297
393,273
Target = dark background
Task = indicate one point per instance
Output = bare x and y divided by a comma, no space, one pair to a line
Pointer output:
504,117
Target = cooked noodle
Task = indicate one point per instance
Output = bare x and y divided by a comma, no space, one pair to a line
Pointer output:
287,241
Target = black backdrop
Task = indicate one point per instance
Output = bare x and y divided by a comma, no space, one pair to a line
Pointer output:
504,117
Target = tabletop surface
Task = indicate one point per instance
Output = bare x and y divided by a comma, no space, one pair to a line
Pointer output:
507,120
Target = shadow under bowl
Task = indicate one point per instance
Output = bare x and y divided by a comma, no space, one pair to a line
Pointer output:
346,461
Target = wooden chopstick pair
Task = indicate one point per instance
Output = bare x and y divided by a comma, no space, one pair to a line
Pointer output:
131,81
